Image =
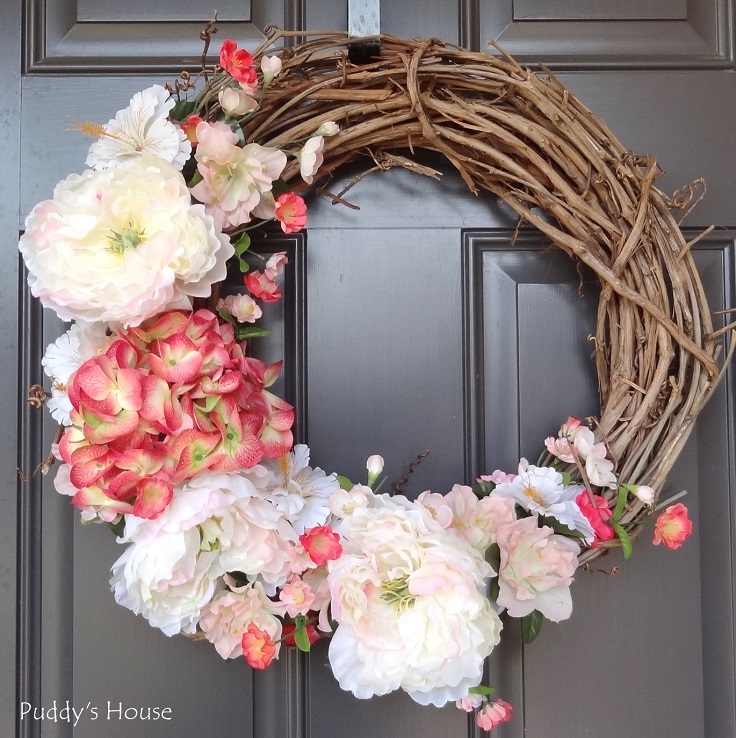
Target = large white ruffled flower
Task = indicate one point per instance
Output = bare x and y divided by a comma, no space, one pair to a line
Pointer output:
409,600
167,580
121,245
300,492
63,357
540,489
141,128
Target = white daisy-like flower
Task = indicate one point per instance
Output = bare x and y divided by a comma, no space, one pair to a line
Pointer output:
142,127
63,357
540,489
300,492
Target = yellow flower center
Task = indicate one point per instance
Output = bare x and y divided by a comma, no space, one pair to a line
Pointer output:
396,592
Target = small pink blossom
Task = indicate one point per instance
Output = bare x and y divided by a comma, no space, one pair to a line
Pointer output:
275,265
322,544
236,102
311,158
238,63
297,596
493,714
437,506
263,286
291,211
561,446
258,647
242,307
673,526
478,520
343,502
497,477
469,703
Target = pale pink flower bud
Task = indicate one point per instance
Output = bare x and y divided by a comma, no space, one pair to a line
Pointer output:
271,67
236,102
374,465
644,493
469,703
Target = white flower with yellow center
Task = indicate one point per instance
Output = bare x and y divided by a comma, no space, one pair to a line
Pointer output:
141,128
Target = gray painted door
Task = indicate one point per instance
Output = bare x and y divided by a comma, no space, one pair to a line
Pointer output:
389,309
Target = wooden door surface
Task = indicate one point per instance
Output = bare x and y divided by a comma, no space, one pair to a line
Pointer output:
410,324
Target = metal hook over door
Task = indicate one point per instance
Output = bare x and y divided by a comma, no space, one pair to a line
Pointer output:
364,19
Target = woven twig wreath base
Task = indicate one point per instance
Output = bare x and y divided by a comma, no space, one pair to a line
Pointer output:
525,139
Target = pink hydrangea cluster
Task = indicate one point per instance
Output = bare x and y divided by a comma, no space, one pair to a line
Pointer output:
167,400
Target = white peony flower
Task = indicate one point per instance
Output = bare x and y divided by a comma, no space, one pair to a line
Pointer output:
300,492
121,245
63,357
540,489
141,128
409,600
168,580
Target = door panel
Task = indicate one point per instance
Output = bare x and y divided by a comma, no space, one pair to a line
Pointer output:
414,323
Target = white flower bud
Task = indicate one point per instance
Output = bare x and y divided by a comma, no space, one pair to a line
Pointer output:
644,493
328,129
375,467
271,67
236,102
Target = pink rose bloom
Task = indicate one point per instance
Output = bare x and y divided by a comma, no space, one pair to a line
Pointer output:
259,648
536,569
291,211
242,307
598,514
311,158
227,616
234,178
493,714
263,286
322,544
673,526
297,597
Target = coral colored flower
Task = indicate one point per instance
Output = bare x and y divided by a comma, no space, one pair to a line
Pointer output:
493,714
311,158
238,63
189,126
263,286
291,211
322,544
258,647
242,307
673,526
598,514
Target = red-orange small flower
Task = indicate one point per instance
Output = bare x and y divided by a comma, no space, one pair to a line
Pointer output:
189,126
673,526
291,211
238,63
258,647
262,286
322,544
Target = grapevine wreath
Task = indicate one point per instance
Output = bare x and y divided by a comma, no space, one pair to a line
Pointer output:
169,434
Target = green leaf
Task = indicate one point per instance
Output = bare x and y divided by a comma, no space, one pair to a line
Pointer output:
494,590
241,246
566,478
344,483
623,493
558,527
493,556
183,109
250,332
482,690
531,624
483,489
117,528
227,317
623,536
301,638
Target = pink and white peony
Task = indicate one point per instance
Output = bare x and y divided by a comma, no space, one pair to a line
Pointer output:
409,601
141,128
121,245
536,569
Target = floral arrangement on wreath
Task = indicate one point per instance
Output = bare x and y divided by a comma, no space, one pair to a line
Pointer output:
172,437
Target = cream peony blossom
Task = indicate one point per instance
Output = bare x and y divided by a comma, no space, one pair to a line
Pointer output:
63,357
536,569
409,601
121,245
226,617
141,128
167,580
